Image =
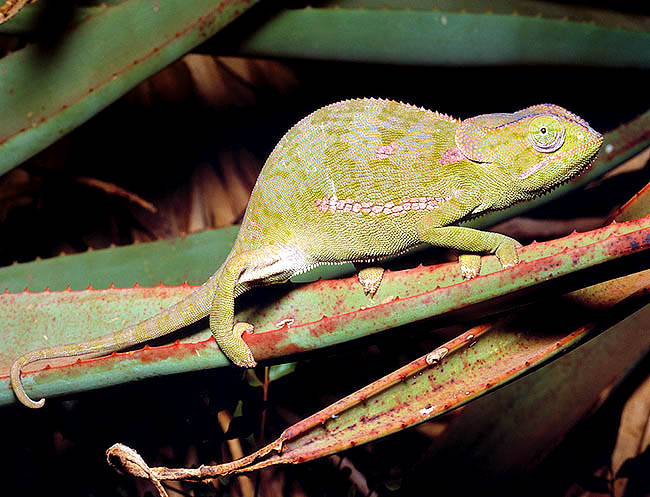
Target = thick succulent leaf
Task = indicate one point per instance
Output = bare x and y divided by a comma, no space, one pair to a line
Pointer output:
402,32
96,61
469,366
190,259
85,76
307,317
541,407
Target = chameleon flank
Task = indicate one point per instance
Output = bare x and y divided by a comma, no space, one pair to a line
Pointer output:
361,180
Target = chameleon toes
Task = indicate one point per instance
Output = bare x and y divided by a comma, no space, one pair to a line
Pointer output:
238,351
470,265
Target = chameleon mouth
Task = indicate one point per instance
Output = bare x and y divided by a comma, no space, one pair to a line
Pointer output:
574,151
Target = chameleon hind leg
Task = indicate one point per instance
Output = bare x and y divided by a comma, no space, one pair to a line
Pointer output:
246,269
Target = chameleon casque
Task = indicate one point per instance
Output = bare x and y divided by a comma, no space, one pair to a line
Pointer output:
360,180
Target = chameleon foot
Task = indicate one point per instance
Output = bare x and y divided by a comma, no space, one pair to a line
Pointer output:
507,253
237,350
370,279
470,265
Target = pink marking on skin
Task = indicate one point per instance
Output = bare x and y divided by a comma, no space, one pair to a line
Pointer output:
536,167
452,155
350,205
385,151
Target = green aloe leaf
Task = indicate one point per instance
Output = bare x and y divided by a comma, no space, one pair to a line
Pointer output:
190,259
85,76
307,317
485,359
402,32
470,366
77,76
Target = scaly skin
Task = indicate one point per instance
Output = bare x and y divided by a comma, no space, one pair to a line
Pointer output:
360,180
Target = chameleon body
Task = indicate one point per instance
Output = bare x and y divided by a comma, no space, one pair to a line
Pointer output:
364,179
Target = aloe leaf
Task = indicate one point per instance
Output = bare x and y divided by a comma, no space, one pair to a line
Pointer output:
190,259
77,77
484,359
402,33
469,366
544,405
86,76
50,318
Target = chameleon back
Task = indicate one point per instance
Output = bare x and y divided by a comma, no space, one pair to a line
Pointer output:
357,166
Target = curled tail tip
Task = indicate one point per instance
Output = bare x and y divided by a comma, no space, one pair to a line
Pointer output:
32,404
19,389
21,395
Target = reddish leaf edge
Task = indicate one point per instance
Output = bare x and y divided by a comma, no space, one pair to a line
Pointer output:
616,239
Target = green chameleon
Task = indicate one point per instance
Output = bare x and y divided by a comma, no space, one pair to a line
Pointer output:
364,179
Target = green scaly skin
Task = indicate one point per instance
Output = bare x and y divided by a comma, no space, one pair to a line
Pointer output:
361,180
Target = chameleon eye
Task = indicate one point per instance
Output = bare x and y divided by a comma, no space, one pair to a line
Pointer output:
546,134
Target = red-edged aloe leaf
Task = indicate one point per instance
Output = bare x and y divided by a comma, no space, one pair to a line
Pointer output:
522,419
607,294
515,426
189,259
467,367
409,296
47,91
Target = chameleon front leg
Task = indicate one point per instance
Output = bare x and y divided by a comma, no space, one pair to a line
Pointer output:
370,277
473,240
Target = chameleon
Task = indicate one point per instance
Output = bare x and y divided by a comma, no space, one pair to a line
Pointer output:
361,180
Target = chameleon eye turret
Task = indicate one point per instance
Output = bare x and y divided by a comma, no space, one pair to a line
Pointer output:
546,133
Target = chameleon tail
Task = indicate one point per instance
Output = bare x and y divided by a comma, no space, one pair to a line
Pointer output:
187,311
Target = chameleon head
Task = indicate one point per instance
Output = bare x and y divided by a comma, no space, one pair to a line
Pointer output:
539,147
